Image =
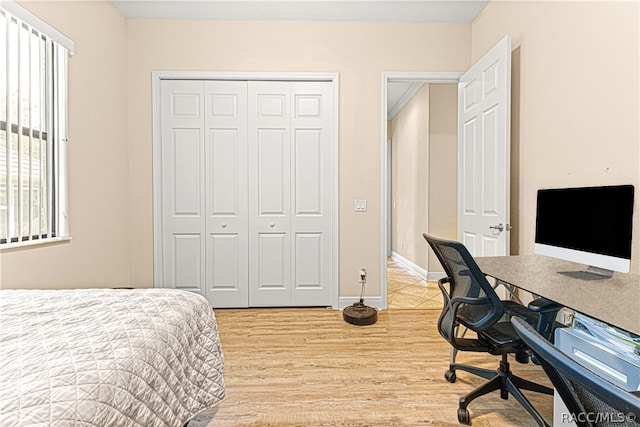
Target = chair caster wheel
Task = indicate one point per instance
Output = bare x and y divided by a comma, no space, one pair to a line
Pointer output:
464,417
450,376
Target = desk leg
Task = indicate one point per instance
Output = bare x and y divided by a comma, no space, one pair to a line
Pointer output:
511,290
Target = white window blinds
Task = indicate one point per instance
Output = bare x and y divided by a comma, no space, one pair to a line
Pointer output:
33,128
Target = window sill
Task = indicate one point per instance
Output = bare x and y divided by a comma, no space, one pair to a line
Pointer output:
30,243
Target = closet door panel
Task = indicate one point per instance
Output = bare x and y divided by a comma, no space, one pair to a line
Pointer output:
271,179
186,148
269,194
224,261
272,264
307,176
223,164
186,251
312,186
182,170
227,277
308,261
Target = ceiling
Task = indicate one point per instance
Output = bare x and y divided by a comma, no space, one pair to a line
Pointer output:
433,11
398,94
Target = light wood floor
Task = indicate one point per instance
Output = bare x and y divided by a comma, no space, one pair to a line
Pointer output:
307,367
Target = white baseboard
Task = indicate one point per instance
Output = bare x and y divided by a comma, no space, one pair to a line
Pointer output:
430,276
434,276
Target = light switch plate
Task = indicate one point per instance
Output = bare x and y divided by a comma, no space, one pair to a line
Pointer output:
360,205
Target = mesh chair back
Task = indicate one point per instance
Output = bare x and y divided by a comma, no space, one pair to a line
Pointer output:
481,307
591,400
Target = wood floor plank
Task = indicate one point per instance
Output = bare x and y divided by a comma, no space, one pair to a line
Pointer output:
307,367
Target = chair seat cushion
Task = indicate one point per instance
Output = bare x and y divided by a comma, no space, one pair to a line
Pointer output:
501,334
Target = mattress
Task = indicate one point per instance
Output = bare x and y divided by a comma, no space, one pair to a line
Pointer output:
105,357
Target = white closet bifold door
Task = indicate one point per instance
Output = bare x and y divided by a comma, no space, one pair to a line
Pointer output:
227,268
247,191
269,194
311,193
183,168
290,188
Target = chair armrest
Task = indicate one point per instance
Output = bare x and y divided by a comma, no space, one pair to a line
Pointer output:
451,307
485,322
547,311
543,305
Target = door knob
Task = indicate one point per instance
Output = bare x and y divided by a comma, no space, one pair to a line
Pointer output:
273,224
498,227
223,225
501,227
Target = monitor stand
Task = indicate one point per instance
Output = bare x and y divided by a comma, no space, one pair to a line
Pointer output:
591,273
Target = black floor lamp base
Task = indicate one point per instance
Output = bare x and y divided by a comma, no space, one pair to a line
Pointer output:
360,315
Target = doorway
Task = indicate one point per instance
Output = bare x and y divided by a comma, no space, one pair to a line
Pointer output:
405,259
482,189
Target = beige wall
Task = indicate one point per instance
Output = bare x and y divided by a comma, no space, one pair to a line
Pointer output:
358,52
110,126
576,121
410,179
98,255
578,115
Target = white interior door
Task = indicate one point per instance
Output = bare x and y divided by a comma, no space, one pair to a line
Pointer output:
484,106
227,265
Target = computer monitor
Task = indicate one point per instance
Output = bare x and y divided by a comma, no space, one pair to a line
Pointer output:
588,225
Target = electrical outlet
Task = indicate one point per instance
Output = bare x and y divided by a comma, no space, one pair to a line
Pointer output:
363,274
360,205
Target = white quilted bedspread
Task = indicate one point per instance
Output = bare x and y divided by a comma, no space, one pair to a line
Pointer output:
102,357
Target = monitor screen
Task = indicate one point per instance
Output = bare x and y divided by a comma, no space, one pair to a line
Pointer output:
589,225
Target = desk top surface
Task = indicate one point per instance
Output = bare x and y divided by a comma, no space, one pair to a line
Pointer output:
615,301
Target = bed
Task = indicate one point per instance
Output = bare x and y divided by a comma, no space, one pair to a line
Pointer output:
105,357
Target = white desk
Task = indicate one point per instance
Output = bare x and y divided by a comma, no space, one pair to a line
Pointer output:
615,301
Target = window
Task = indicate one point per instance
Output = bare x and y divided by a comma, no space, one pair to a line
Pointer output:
33,133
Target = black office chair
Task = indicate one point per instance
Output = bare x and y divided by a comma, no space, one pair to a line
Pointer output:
471,302
591,400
